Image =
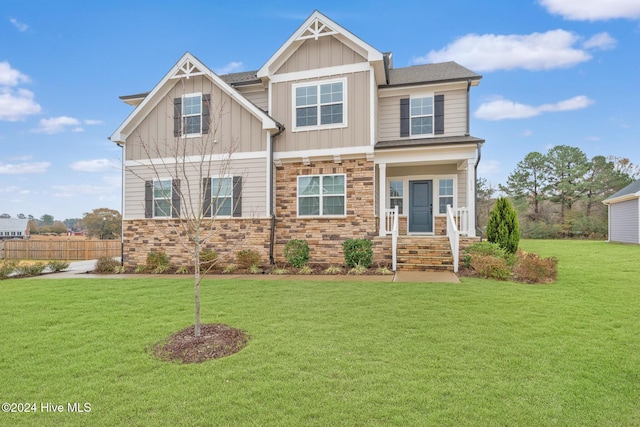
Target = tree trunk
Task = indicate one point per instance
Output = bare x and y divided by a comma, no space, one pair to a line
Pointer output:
197,278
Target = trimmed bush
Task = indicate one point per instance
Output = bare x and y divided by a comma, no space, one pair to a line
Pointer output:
7,267
30,270
296,252
532,268
503,227
490,267
208,258
56,266
106,265
157,261
247,258
358,252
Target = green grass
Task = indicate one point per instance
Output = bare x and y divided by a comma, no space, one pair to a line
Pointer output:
477,353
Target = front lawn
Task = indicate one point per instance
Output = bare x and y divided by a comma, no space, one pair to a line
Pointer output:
329,353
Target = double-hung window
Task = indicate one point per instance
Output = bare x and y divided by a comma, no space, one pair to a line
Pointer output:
422,116
319,105
192,114
396,192
445,194
222,196
162,195
322,195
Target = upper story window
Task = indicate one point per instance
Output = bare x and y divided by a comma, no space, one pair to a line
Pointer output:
191,115
322,195
422,116
319,105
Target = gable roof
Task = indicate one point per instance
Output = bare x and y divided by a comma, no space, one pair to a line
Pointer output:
319,25
430,73
631,191
188,66
13,224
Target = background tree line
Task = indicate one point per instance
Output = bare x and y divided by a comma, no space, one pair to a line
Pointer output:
102,223
560,193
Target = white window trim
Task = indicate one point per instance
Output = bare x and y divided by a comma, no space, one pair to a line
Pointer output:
170,198
404,191
211,178
321,215
182,116
454,203
317,83
435,190
421,95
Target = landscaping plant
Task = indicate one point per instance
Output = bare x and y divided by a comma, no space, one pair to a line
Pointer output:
358,252
296,252
503,227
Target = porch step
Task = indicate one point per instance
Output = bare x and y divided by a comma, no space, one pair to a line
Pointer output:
424,254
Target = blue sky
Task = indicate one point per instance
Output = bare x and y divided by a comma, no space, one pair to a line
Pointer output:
555,72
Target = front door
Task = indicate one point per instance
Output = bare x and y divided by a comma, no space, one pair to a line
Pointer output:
421,206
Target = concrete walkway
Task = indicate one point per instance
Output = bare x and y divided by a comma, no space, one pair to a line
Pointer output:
83,270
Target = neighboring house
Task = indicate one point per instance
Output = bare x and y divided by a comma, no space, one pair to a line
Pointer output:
328,139
624,214
14,228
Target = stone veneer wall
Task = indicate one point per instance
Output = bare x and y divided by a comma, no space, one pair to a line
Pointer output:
141,236
325,235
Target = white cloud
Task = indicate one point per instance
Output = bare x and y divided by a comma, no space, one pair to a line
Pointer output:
602,41
96,165
57,125
15,169
490,52
91,122
593,10
527,133
10,76
489,167
72,190
231,67
9,189
20,26
21,158
501,109
17,104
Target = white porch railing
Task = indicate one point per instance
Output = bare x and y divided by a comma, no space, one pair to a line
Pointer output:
461,217
454,235
391,228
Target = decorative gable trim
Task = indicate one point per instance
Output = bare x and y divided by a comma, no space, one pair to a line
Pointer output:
317,29
187,69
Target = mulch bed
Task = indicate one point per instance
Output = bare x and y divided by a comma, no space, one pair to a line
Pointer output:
215,341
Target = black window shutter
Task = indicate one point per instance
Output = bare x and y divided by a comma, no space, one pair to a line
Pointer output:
177,116
206,101
148,199
175,198
405,117
206,197
438,115
237,196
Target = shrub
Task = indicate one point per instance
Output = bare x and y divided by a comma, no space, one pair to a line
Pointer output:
106,265
296,252
358,252
121,269
182,270
279,271
333,269
490,267
7,267
56,266
254,269
358,270
231,268
305,269
30,270
384,270
141,269
247,258
503,227
157,261
532,268
208,258
483,248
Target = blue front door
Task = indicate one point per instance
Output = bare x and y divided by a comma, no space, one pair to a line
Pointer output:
421,206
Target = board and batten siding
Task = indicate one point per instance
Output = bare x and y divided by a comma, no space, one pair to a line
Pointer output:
356,133
324,52
252,171
259,96
455,114
624,221
231,125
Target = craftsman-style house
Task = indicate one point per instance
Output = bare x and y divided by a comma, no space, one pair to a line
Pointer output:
326,141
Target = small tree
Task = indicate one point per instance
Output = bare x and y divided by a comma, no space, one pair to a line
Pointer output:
503,227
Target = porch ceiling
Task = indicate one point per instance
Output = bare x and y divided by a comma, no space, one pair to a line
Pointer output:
426,142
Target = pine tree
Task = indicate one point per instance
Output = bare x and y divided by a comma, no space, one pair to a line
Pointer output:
503,227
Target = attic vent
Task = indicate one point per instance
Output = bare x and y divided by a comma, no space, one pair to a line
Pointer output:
186,70
316,29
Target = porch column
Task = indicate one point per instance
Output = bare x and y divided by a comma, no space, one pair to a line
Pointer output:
471,196
382,198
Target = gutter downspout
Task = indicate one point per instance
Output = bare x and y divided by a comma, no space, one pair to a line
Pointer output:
272,235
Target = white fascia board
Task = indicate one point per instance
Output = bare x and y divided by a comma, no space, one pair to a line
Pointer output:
325,154
321,72
197,159
433,155
385,92
287,49
624,198
163,87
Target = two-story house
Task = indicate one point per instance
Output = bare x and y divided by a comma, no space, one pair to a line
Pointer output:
325,142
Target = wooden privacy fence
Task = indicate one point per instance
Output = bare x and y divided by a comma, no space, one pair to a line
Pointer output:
60,249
